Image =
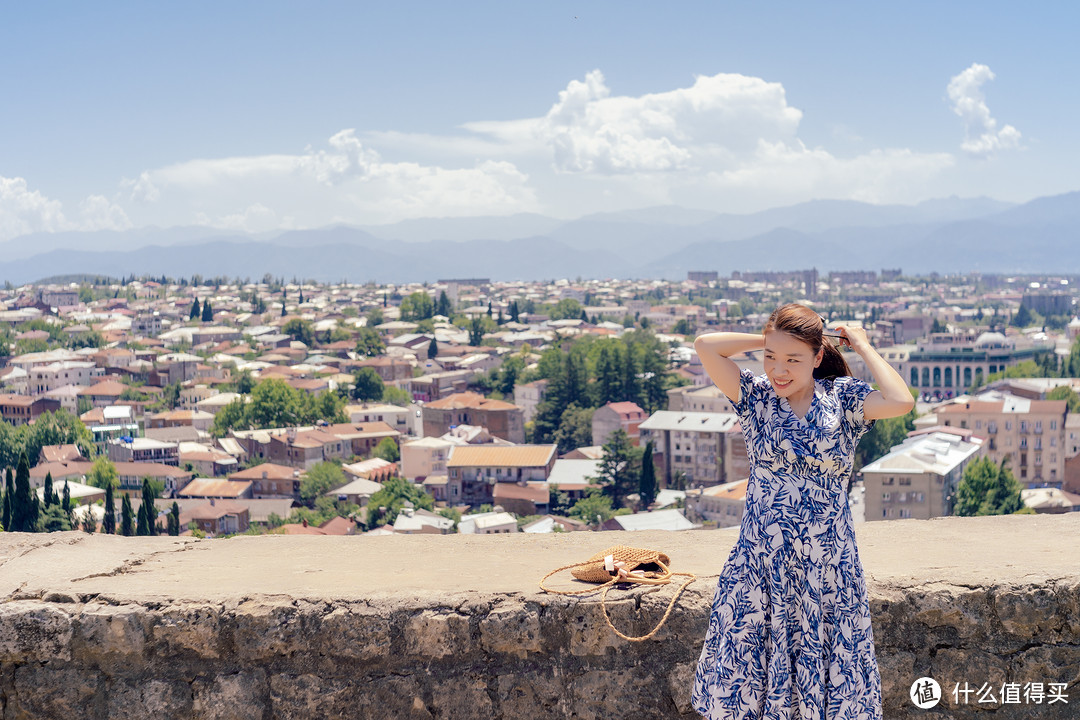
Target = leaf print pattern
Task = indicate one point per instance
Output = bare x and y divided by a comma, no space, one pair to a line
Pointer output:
789,634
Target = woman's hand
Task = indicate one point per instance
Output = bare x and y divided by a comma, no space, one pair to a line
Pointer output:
854,337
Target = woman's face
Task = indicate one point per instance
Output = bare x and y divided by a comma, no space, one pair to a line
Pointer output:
789,364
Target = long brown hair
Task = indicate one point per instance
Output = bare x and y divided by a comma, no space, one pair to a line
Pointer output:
805,325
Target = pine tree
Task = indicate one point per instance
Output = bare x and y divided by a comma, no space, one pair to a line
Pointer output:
647,487
300,301
616,473
174,519
9,497
126,518
194,313
22,519
108,523
66,504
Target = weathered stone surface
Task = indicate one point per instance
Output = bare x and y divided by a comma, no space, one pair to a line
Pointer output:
310,696
71,693
32,631
353,633
239,696
465,699
265,629
680,685
148,698
435,634
188,629
511,630
981,672
532,693
108,634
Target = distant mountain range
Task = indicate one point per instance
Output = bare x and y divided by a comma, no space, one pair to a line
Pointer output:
948,236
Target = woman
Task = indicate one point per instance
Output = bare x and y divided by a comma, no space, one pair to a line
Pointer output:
790,634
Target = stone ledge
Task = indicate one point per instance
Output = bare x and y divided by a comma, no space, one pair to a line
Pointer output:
456,627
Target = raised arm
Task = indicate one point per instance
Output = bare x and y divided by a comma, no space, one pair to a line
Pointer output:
892,398
715,351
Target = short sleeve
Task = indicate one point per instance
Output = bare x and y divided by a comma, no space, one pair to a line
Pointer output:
750,391
852,392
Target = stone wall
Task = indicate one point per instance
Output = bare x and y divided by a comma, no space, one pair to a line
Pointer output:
454,626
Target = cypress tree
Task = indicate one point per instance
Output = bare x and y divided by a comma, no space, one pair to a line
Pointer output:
194,313
174,519
21,504
126,518
108,523
49,494
647,487
67,504
207,311
147,524
432,349
9,495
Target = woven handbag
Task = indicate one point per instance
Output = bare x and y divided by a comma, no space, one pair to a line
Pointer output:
639,566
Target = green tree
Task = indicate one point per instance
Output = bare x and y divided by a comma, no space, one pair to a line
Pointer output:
274,403
417,306
647,486
620,468
232,416
432,349
594,508
207,311
367,385
22,506
48,495
383,507
566,309
194,312
54,519
318,480
987,489
127,518
9,496
1067,394
387,450
299,329
108,521
476,332
368,343
443,307
174,520
1023,317
103,474
575,429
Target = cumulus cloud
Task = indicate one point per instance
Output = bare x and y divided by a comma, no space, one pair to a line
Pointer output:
982,137
24,211
345,181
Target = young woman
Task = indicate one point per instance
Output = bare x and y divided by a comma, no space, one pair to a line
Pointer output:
789,635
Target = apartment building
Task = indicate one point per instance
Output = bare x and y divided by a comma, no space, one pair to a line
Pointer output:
479,467
625,416
705,448
502,419
1030,434
918,478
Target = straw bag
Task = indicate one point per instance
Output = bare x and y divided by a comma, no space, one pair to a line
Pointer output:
639,566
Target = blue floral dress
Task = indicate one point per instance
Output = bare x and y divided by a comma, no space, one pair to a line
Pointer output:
789,634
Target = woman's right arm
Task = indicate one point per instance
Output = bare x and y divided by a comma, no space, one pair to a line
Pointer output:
715,351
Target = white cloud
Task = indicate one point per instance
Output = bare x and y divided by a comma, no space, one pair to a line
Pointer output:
24,211
981,136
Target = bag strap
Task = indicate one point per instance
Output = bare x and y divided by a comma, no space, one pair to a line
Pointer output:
667,613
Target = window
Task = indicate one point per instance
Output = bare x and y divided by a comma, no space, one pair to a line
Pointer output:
885,497
905,513
1008,424
905,481
1053,424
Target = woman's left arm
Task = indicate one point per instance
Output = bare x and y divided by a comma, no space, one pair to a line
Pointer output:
892,398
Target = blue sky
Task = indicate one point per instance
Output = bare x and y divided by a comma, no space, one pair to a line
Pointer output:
260,116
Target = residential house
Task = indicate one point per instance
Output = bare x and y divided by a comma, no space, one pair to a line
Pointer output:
22,409
270,480
425,457
522,498
422,522
1030,434
438,385
701,448
480,467
218,489
528,396
357,492
655,520
918,478
106,392
502,419
375,469
217,518
722,504
487,523
142,450
45,378
625,416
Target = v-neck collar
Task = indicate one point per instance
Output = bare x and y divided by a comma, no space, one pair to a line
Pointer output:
810,408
